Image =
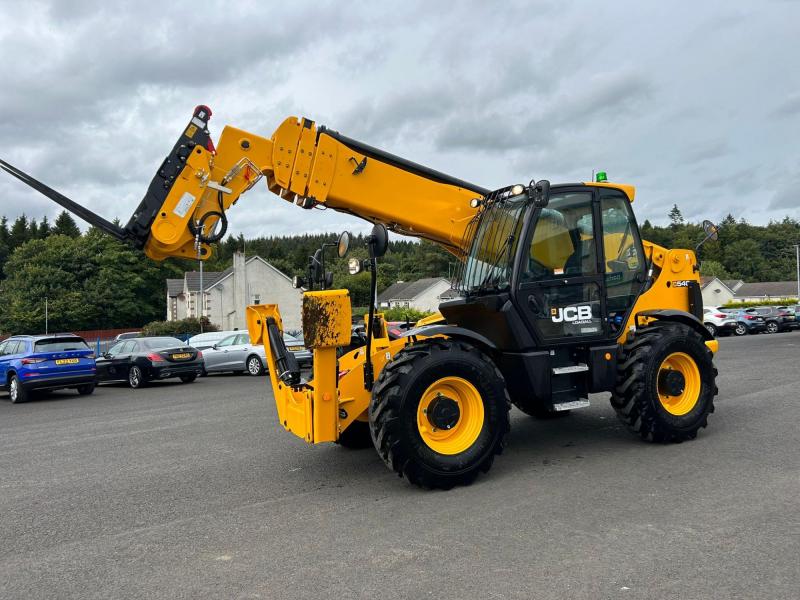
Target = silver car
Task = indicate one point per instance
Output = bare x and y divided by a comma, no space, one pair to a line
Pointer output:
236,353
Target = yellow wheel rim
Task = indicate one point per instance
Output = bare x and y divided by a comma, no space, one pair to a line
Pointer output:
679,394
450,415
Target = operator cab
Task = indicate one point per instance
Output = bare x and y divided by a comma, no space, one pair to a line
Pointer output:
571,268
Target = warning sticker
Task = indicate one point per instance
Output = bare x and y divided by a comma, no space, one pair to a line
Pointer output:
191,130
183,205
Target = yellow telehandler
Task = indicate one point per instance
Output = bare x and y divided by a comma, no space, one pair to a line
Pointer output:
557,297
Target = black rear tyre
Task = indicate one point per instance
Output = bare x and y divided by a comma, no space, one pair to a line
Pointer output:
188,378
86,390
254,365
741,329
136,377
650,399
416,429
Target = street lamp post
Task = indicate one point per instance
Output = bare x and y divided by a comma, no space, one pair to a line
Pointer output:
45,315
797,253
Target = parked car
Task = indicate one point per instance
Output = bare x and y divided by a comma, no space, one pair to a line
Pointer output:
45,362
778,318
141,360
718,322
747,322
128,335
235,353
201,341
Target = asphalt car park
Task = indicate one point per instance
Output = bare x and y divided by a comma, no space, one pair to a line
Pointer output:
194,491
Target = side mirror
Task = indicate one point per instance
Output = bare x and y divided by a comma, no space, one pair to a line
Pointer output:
378,241
712,231
343,245
214,347
540,193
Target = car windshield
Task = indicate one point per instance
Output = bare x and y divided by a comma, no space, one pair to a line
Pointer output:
163,342
60,345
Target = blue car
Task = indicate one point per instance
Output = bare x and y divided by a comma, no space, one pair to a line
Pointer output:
45,362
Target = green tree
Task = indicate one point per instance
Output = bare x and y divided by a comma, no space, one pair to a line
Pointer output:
675,217
65,225
713,268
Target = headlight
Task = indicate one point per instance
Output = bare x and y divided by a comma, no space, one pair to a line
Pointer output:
354,266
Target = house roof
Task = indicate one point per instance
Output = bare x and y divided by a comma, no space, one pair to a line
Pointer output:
779,289
451,293
408,290
733,284
174,287
229,271
193,279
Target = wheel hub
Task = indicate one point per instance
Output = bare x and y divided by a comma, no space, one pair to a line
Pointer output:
443,412
671,382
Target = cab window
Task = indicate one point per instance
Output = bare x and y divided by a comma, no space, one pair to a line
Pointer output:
563,239
624,256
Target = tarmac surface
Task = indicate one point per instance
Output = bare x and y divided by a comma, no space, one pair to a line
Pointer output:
194,491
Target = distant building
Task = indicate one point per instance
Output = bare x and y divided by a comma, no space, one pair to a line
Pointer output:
718,292
423,294
766,290
228,293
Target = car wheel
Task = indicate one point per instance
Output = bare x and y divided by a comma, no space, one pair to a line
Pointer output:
712,329
741,329
16,391
254,366
135,377
85,390
772,327
188,378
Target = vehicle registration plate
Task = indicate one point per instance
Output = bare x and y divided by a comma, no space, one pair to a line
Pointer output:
67,361
296,348
182,355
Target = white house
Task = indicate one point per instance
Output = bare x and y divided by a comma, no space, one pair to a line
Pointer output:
228,293
718,292
423,294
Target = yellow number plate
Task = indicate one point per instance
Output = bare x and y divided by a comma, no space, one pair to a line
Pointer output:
67,361
296,348
179,356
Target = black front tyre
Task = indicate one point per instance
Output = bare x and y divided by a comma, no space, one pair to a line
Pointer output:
16,391
86,389
439,413
666,383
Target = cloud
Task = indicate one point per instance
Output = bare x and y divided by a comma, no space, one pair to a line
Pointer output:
666,97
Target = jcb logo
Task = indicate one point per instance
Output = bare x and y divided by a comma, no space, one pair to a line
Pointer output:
570,314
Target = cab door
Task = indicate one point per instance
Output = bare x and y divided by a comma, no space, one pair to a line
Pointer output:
581,266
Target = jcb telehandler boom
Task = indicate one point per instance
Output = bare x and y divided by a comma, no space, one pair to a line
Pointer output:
559,298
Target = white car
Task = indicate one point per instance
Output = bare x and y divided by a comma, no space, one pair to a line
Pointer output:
201,341
718,322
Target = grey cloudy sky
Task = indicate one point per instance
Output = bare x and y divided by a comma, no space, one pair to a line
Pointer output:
696,103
